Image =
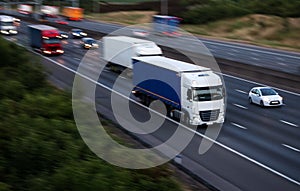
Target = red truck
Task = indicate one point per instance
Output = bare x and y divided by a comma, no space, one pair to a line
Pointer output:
45,39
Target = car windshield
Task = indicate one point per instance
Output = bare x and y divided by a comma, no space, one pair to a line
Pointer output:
267,91
76,30
208,93
51,41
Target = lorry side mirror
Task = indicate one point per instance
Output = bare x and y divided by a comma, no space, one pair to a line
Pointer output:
189,94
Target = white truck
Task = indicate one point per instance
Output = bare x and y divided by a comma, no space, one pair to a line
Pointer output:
25,9
7,25
49,11
192,93
118,50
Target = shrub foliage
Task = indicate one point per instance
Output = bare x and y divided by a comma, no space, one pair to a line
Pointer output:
40,147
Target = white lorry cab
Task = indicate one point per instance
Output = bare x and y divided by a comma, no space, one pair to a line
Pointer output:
7,25
190,92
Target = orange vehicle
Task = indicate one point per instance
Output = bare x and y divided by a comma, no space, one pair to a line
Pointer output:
73,13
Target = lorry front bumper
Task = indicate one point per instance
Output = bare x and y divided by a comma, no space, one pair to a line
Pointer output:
48,52
8,32
197,121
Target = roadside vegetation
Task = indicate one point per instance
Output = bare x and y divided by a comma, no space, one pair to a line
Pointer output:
40,147
259,29
206,11
272,23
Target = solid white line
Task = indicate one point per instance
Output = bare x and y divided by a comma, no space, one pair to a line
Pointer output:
241,91
292,148
199,134
239,126
204,136
249,81
250,49
250,159
235,50
288,123
240,106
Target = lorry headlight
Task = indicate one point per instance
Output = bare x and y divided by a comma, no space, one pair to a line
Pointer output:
13,31
47,52
4,32
60,51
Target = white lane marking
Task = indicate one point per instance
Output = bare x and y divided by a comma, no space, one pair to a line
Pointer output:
249,81
239,126
254,58
288,123
240,106
199,134
231,54
254,50
76,58
235,50
187,128
241,91
292,148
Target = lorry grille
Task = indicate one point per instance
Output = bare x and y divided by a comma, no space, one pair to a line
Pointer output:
209,115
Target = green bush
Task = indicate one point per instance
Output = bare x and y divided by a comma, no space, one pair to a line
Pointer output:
212,12
40,147
204,11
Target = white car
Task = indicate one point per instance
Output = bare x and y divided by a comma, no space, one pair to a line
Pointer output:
265,96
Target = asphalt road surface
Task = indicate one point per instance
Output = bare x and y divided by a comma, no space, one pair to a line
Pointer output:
257,149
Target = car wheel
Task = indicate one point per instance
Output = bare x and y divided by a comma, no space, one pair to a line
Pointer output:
262,103
250,100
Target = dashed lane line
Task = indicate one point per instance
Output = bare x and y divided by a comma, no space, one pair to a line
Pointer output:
241,91
288,123
290,147
239,126
240,106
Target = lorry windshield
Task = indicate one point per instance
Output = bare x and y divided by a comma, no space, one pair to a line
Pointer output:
7,23
52,41
208,93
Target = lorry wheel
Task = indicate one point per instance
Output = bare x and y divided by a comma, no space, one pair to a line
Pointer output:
185,119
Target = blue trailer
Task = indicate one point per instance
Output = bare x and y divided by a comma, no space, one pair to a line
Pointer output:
190,92
167,25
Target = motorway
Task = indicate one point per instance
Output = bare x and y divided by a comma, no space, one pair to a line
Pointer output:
281,60
257,149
